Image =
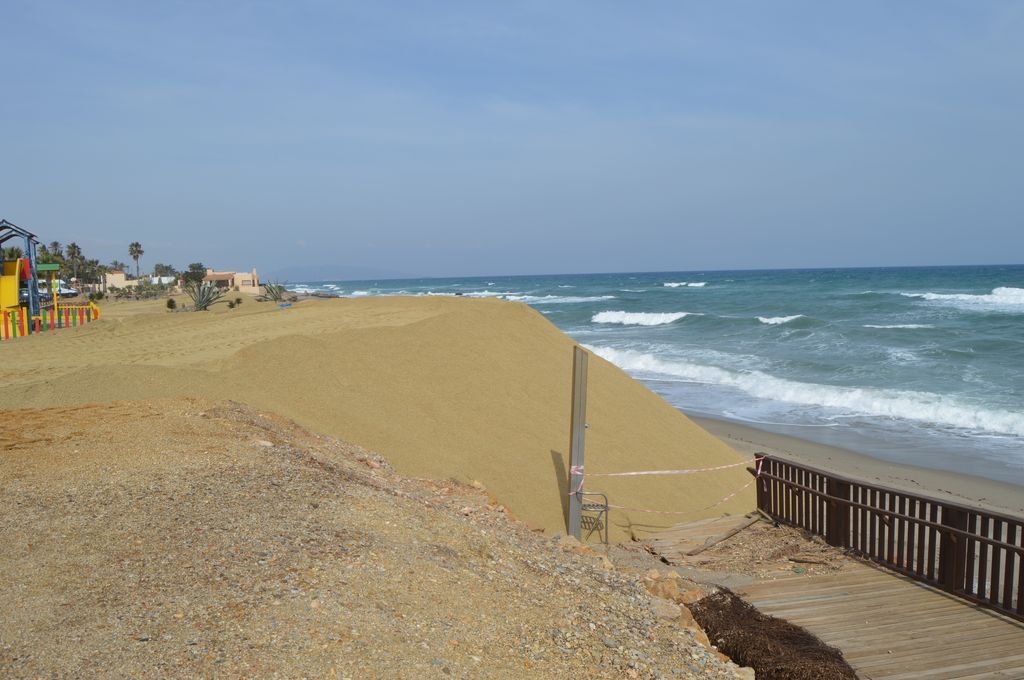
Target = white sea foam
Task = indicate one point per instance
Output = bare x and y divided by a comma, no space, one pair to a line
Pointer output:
638,318
488,293
556,299
1000,299
924,407
360,293
899,325
685,284
902,356
776,320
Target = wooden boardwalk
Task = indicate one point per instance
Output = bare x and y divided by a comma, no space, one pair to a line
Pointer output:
886,625
890,626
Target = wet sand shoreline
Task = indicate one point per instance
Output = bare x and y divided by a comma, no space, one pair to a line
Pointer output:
940,484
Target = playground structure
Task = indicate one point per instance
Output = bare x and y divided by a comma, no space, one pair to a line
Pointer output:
23,307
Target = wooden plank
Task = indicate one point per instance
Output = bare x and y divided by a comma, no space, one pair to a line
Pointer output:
924,536
837,622
947,671
935,664
868,612
908,646
933,536
983,560
1012,672
996,571
1011,558
952,631
970,581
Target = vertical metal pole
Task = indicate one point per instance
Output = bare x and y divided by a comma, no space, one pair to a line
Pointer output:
576,437
33,283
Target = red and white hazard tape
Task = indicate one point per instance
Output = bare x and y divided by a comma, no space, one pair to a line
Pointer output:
664,472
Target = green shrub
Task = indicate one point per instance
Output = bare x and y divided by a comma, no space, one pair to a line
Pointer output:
204,294
274,292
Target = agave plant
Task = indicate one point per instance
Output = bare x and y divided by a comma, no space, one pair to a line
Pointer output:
203,294
273,292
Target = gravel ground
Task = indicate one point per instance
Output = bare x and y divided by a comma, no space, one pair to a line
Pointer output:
186,538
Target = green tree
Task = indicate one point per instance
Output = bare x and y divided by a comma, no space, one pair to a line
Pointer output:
56,250
196,272
163,270
92,271
12,253
135,252
117,265
73,254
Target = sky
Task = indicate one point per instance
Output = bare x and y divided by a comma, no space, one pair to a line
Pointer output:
485,138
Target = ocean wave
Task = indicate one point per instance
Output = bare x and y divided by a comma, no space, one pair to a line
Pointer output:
923,407
360,293
486,293
899,325
685,284
777,320
556,299
638,318
1004,298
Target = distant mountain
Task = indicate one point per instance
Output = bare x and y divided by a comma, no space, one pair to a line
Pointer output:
332,272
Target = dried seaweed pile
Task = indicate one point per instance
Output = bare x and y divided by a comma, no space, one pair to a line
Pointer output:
774,648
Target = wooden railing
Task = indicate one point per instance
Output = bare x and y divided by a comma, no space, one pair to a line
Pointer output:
972,553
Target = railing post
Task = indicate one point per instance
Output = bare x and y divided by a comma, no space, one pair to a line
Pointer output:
838,531
953,550
760,461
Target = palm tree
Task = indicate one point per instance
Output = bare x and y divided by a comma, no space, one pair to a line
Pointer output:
55,250
93,271
135,252
118,265
74,256
12,253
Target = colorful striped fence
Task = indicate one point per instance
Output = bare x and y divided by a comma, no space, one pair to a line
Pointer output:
16,323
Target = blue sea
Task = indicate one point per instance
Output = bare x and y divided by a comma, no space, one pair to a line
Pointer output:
919,365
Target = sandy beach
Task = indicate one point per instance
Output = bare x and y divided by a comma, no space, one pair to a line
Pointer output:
950,486
469,389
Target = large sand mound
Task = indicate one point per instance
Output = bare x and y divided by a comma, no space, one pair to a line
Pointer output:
189,539
442,387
